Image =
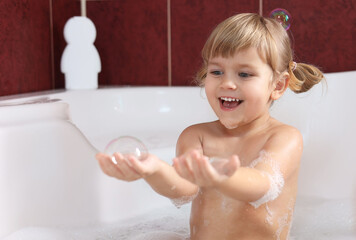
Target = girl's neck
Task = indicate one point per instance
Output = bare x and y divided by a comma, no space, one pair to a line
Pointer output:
250,128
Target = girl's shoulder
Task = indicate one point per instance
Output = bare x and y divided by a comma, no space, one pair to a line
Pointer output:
279,128
192,137
283,135
199,131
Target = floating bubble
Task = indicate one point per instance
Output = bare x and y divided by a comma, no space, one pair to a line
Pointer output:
282,16
127,145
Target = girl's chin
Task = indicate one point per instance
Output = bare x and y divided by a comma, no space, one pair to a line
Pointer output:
229,125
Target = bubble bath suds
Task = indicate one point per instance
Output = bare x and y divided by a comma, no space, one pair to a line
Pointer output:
179,202
276,179
285,220
314,218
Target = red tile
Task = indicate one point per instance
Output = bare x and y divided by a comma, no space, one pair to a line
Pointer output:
324,32
192,22
25,52
131,40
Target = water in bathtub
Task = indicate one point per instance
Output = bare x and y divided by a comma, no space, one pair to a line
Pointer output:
314,218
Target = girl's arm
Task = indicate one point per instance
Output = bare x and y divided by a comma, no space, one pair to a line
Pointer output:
158,174
161,176
168,183
278,161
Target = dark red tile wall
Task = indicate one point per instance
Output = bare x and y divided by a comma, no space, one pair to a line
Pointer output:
132,41
25,46
192,22
324,31
132,38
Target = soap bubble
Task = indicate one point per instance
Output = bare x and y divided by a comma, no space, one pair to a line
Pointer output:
282,16
127,145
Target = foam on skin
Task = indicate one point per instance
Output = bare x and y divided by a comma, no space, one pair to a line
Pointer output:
276,179
179,202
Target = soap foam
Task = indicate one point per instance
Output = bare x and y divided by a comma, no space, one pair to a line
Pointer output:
179,202
285,221
276,179
269,217
159,235
314,218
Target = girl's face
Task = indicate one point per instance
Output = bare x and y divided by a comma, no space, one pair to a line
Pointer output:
239,88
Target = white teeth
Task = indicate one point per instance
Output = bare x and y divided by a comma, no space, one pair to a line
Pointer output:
229,99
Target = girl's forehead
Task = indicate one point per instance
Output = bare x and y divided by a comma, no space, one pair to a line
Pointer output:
250,56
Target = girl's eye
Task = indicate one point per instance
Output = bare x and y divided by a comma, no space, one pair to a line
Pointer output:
216,73
244,75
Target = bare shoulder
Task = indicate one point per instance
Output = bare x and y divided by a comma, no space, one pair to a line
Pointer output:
192,137
285,144
285,139
285,134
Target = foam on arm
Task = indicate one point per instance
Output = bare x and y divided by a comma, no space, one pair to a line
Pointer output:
275,178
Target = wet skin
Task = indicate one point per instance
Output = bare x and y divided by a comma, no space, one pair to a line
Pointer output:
240,90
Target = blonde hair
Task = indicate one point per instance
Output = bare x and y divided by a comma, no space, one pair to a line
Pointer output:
247,30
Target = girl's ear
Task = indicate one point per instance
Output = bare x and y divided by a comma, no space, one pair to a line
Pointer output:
280,86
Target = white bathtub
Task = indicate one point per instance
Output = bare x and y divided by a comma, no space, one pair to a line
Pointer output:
50,183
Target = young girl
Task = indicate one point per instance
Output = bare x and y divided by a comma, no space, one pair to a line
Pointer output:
247,64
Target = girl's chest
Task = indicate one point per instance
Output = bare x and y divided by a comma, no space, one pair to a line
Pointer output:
246,148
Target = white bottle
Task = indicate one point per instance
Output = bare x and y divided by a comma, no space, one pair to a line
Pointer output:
80,61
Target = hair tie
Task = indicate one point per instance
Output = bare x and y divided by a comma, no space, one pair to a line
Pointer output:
294,66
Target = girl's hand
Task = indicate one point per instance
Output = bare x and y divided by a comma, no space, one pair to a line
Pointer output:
127,168
196,168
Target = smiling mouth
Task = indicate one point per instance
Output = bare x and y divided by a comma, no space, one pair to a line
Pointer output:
229,103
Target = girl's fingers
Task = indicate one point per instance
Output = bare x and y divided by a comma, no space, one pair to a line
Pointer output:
117,166
187,170
192,166
233,165
196,168
108,167
177,166
209,171
183,168
199,168
137,166
208,175
124,163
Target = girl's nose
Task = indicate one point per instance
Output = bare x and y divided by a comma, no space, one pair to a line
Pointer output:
228,83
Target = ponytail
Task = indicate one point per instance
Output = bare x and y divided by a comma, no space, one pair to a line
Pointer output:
303,76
